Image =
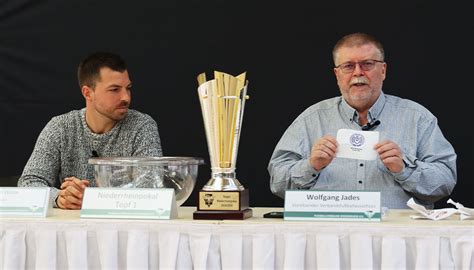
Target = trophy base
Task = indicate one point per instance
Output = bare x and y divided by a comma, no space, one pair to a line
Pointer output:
223,205
219,215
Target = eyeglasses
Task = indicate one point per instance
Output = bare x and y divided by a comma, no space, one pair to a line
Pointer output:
365,65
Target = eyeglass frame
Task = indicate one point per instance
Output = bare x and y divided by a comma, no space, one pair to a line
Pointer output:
359,64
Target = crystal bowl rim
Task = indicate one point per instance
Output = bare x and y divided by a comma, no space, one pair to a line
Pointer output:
146,161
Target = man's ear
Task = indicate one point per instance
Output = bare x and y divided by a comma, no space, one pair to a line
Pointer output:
384,71
86,92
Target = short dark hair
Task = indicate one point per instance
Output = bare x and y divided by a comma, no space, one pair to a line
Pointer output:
88,72
355,40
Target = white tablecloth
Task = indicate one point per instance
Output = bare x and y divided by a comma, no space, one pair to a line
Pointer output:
64,241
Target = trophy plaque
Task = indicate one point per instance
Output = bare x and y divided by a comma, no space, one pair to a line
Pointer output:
222,105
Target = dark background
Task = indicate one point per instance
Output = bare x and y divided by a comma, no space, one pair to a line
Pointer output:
285,48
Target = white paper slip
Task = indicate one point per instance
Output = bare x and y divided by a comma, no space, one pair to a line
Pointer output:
466,213
357,144
435,214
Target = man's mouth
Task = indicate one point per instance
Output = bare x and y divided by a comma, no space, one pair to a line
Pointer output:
358,84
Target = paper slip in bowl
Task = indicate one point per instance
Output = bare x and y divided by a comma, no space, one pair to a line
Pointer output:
357,144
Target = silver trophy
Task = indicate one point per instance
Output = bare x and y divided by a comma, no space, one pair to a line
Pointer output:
222,104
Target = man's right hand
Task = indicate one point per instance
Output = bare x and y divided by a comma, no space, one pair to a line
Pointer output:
323,152
72,192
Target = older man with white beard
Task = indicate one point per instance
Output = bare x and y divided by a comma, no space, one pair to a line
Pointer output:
414,158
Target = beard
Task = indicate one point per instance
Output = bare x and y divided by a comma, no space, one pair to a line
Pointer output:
115,114
359,93
119,115
359,89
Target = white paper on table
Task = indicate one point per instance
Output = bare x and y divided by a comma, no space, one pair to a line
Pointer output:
466,213
435,214
357,144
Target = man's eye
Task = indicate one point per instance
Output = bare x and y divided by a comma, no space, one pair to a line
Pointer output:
368,64
348,66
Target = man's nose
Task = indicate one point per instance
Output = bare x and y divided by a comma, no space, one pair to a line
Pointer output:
125,95
357,69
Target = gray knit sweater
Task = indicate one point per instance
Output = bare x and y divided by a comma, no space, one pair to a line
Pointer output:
66,143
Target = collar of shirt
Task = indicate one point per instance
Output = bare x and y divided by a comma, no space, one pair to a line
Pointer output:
374,111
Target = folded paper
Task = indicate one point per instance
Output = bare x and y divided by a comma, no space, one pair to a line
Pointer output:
438,214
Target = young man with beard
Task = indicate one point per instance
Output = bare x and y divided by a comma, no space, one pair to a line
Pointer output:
106,127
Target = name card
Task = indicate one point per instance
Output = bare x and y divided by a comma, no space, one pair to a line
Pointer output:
24,202
130,203
332,205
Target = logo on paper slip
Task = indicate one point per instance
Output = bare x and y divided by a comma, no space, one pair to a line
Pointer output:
357,139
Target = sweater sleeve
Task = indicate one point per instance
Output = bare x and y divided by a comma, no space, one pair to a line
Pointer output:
42,168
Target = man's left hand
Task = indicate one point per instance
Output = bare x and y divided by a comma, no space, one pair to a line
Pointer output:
391,155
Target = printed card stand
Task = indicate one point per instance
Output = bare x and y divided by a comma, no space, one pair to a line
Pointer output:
25,202
332,205
129,203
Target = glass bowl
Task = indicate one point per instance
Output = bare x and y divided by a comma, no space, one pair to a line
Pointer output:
179,173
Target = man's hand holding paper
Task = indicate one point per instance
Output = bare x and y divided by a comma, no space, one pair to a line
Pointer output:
323,152
391,155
